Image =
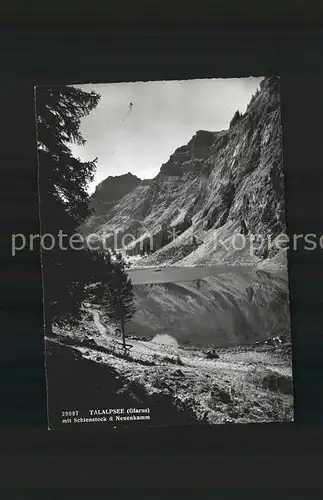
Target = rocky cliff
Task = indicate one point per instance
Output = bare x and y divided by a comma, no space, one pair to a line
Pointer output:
219,184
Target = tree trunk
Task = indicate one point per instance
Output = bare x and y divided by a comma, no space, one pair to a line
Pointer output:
123,333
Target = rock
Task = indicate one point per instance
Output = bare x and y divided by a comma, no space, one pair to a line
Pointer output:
227,420
99,358
90,343
159,380
162,384
211,354
218,394
204,416
178,373
274,341
257,411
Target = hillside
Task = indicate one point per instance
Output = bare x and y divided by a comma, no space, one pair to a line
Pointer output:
219,184
180,385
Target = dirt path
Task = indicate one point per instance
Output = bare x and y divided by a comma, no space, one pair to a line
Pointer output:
96,317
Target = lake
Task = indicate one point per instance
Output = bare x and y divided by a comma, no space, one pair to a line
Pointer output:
218,305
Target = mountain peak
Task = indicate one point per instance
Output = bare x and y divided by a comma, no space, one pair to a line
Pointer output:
116,179
112,189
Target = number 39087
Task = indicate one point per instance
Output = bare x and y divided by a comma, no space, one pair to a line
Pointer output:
73,413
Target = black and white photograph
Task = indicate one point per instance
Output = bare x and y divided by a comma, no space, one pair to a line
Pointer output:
164,253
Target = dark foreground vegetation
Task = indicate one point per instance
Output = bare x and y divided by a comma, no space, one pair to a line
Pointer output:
76,383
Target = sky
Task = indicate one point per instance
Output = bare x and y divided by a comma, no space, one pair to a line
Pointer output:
163,116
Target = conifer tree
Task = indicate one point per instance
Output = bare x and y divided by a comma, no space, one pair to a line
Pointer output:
101,270
63,180
118,298
236,117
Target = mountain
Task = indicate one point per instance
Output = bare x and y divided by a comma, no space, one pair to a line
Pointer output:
108,193
219,184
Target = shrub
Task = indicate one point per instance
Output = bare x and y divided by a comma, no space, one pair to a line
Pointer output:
218,396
